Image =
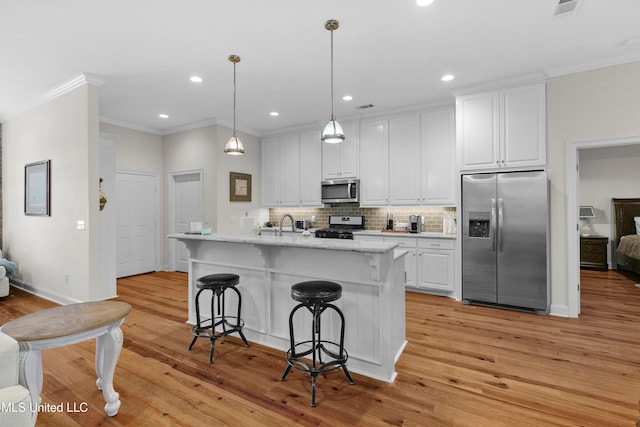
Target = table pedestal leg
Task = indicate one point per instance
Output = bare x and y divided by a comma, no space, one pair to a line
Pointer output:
108,348
30,375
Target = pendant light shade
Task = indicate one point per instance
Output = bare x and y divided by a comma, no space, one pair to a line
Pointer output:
234,146
332,132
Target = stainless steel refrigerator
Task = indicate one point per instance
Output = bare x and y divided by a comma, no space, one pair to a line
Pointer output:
504,240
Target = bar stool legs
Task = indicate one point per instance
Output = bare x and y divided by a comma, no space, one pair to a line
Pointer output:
217,284
325,355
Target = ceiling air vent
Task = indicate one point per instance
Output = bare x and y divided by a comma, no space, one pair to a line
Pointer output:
566,6
365,106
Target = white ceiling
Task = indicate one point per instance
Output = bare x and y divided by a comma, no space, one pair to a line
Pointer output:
390,53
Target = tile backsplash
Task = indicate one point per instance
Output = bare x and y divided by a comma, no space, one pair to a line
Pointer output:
375,218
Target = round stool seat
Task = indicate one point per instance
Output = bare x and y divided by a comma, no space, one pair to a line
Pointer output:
316,291
217,281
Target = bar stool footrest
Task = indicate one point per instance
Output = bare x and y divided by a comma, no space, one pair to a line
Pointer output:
298,363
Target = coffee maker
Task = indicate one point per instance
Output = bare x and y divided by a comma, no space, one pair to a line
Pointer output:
415,224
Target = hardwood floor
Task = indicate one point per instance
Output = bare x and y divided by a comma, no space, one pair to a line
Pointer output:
463,365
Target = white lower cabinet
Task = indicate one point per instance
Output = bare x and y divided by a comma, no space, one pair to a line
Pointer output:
435,265
430,264
410,264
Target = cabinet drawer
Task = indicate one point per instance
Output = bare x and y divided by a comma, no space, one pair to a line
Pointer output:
404,242
591,249
436,243
593,257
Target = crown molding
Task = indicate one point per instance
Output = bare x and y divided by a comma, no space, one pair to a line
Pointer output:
593,65
209,122
71,84
128,125
67,86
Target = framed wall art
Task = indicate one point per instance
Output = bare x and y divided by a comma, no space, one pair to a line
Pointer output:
37,188
239,187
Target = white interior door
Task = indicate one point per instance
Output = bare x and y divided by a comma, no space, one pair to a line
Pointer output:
136,225
187,196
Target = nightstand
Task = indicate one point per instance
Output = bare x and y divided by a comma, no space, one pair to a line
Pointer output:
593,252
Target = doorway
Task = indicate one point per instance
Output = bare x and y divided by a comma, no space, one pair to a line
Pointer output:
573,225
185,206
138,207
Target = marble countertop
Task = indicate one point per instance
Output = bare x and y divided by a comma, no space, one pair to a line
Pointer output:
405,234
293,240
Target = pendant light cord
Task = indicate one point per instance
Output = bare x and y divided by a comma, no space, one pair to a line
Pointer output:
234,99
332,116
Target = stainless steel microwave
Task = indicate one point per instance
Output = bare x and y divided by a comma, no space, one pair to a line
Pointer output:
341,191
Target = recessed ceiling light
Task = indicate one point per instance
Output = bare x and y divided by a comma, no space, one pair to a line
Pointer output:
448,77
196,79
274,113
163,116
424,2
347,98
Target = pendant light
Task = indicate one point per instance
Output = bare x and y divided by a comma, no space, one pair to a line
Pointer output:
234,146
332,132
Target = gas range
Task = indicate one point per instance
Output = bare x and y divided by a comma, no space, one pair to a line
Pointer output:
341,227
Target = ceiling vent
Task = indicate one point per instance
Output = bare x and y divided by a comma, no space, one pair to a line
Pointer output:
566,7
365,106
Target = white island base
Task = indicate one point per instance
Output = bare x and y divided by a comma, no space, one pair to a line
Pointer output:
371,275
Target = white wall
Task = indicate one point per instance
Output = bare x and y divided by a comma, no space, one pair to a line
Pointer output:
229,212
49,249
203,149
591,105
136,151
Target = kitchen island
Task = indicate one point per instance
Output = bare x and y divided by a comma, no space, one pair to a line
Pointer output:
371,274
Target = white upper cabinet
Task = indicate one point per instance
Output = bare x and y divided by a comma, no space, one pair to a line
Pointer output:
310,169
404,160
280,171
438,158
502,128
408,160
374,163
341,160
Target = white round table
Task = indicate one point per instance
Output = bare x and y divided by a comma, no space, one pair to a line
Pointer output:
71,324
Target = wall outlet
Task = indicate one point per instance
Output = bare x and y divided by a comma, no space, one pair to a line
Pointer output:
66,278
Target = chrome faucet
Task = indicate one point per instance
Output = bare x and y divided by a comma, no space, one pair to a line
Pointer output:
293,223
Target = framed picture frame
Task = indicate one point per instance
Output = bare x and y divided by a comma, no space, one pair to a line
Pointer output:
239,187
37,188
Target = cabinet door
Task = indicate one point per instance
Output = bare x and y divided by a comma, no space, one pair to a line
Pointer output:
374,163
436,264
290,170
438,158
409,244
349,151
404,160
270,171
436,269
331,160
310,169
477,130
524,129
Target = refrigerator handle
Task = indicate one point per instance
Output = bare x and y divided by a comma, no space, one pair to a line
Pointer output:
493,225
500,221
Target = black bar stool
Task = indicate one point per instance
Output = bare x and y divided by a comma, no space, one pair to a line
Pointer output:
206,328
315,296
